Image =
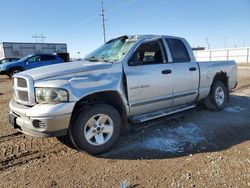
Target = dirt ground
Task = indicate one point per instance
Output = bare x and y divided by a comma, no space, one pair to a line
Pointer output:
197,148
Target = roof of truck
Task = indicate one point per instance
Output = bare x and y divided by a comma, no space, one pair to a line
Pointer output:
149,36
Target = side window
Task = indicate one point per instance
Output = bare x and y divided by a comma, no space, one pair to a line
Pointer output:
48,58
36,58
178,50
148,53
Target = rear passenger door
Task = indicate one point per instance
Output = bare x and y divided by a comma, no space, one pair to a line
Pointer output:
185,72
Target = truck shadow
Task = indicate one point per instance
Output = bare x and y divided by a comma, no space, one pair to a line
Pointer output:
186,134
219,142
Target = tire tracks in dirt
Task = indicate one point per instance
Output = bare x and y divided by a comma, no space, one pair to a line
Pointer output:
11,136
17,149
29,156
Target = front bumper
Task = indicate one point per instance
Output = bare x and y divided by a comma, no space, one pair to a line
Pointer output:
41,120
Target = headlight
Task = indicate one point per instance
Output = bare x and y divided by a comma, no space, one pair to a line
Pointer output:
51,95
3,69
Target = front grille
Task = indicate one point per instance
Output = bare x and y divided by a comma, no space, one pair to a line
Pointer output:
21,82
24,90
23,95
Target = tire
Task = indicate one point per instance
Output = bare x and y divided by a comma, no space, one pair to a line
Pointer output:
218,97
14,71
92,136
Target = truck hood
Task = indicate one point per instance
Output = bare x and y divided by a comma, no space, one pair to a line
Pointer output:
56,70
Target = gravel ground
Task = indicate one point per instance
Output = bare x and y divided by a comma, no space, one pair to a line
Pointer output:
197,148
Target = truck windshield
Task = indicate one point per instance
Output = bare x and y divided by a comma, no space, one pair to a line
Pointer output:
112,51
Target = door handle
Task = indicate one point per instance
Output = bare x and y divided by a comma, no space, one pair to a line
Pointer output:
192,69
168,71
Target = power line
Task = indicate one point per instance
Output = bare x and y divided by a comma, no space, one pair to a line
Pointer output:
103,22
94,17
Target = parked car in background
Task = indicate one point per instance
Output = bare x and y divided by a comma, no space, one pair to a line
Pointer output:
5,60
29,62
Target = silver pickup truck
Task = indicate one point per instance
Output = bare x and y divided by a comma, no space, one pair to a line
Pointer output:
129,79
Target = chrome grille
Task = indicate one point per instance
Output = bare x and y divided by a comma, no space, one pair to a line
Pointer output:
23,95
24,90
21,82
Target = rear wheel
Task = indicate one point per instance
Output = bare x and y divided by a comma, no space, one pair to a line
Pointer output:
96,129
218,96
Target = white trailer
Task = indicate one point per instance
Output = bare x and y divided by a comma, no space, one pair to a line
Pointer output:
21,49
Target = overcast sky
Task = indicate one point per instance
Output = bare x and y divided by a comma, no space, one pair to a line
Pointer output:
77,22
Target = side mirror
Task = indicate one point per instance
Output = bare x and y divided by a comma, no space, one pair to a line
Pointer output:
133,61
27,63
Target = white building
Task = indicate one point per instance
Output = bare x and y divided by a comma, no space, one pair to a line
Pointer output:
21,49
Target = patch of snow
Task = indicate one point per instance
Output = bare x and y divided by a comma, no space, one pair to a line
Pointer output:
173,140
234,109
162,144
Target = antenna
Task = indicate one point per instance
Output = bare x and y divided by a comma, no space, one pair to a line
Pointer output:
103,21
39,38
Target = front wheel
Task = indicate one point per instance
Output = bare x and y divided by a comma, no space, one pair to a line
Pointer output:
96,129
218,96
14,71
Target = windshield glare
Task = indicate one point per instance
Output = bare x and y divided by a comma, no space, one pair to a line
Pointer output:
25,58
112,51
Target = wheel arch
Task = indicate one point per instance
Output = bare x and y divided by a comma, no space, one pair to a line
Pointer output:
112,98
15,67
223,77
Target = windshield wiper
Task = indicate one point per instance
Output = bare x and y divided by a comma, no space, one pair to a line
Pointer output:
96,59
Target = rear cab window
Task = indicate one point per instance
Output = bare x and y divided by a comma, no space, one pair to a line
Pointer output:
178,50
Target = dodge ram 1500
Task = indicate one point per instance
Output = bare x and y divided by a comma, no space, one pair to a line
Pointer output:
127,80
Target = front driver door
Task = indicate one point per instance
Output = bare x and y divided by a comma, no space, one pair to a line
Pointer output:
149,79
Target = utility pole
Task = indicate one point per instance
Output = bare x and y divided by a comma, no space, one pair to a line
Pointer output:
39,38
103,21
225,44
208,44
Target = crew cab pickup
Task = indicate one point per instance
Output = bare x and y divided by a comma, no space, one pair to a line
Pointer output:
127,80
28,62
